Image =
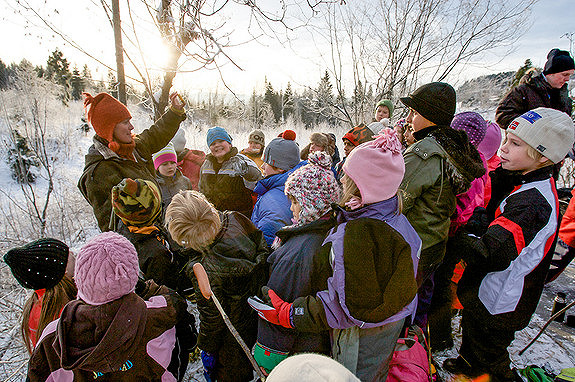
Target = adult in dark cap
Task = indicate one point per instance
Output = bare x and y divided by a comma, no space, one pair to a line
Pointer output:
43,266
441,164
548,89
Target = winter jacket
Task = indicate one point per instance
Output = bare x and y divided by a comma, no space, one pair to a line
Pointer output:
437,168
228,185
373,253
189,163
256,158
295,272
104,169
170,186
128,339
507,266
567,228
469,200
156,260
492,164
536,92
272,209
236,266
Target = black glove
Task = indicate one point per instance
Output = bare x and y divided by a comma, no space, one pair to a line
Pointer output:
478,222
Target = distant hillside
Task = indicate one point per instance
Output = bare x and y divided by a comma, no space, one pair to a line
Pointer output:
484,92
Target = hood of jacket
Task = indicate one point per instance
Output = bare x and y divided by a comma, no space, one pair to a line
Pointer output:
275,181
464,162
195,156
100,338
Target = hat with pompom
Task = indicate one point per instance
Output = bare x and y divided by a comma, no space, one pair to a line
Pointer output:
282,153
40,264
558,61
106,269
314,187
104,112
376,167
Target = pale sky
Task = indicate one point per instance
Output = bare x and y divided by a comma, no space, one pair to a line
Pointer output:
84,22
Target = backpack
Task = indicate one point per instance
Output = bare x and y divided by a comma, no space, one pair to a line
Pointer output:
410,361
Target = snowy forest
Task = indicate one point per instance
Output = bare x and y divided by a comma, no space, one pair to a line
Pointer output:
44,133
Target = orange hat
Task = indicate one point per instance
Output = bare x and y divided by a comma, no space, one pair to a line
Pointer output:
104,112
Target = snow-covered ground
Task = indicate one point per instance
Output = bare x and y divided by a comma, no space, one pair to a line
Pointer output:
70,218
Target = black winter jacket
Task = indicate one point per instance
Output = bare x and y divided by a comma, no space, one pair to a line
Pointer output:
536,92
295,272
236,266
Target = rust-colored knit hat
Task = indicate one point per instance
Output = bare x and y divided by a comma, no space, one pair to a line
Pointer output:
104,112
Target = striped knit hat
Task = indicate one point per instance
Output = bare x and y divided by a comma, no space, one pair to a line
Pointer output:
137,202
167,154
40,264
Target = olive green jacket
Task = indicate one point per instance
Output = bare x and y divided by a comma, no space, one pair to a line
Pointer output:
432,180
104,169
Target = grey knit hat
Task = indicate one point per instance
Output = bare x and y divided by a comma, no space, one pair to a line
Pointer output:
549,131
282,153
257,136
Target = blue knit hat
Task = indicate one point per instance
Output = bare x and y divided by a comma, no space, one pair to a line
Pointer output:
218,133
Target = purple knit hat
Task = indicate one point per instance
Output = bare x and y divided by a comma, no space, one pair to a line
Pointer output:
314,187
106,269
490,144
473,124
376,167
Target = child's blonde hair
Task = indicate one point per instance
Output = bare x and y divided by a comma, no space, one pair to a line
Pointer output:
350,190
192,221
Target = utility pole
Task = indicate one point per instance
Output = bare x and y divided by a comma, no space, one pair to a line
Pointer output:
121,77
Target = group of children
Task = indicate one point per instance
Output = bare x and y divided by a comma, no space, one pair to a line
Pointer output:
335,257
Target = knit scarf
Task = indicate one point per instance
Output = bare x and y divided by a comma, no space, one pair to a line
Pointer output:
124,150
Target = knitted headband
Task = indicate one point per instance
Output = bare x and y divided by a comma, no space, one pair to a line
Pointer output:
40,264
104,112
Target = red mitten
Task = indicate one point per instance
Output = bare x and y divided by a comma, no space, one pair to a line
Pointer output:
282,308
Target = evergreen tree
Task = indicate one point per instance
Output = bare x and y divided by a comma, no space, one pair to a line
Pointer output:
273,100
324,100
21,158
58,68
288,101
521,72
4,75
77,85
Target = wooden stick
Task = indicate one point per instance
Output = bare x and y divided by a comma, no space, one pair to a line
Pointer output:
550,320
206,290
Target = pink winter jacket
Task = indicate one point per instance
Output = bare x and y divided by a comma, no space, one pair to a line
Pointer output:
468,201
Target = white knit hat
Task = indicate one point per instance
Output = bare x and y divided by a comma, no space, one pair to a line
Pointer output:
310,367
551,132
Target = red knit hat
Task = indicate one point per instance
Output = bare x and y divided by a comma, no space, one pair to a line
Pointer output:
104,112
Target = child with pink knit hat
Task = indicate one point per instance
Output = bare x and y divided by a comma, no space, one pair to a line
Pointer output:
110,332
371,257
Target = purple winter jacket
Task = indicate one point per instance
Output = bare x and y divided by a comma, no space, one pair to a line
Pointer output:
374,256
